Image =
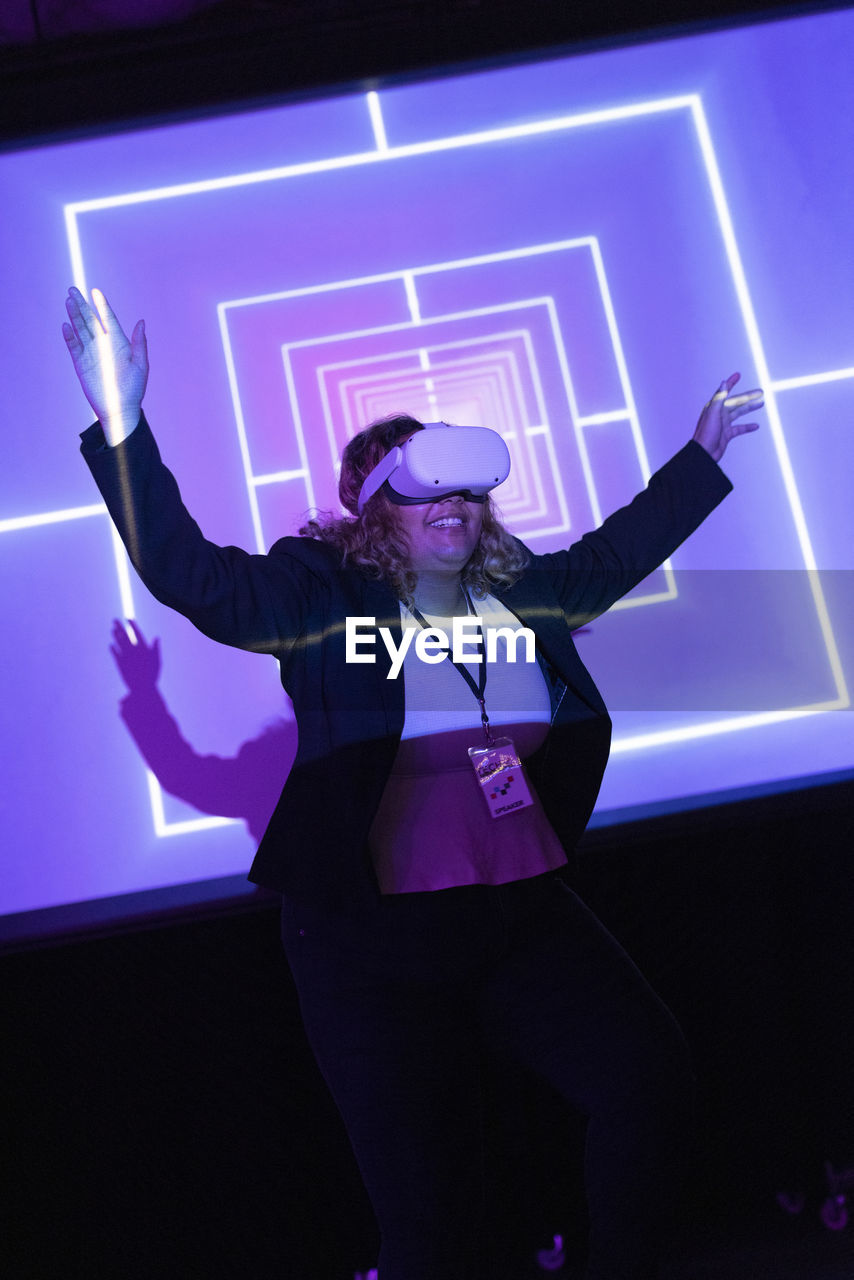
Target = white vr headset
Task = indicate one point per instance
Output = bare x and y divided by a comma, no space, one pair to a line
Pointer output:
439,461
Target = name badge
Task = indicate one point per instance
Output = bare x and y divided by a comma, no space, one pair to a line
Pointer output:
500,777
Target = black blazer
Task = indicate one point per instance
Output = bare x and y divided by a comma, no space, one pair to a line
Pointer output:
293,602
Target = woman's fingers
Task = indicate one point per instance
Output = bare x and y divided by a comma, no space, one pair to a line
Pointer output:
106,315
745,402
719,422
720,396
80,314
139,347
75,346
76,325
92,320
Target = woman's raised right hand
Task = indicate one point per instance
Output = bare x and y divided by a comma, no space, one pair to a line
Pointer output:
112,370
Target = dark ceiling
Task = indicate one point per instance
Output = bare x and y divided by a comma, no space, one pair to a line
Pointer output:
72,65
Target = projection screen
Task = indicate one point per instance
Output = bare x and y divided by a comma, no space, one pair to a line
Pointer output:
574,252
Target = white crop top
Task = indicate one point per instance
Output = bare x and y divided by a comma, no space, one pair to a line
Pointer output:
432,829
438,699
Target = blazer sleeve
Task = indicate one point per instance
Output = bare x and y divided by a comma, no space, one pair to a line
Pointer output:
605,564
257,602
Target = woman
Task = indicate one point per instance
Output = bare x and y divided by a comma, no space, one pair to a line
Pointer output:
424,928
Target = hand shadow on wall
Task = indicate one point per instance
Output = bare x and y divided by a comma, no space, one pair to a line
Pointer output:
245,786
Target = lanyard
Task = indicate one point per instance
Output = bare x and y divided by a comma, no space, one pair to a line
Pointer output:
479,689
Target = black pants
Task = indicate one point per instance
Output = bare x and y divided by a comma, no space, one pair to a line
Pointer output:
400,1000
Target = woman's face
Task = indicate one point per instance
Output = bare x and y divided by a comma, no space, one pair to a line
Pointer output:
442,534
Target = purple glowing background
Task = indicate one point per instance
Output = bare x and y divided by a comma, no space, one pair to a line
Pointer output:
568,279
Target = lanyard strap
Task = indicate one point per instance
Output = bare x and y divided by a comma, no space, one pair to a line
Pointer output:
479,689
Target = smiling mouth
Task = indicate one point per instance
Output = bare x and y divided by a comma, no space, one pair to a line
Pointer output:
447,522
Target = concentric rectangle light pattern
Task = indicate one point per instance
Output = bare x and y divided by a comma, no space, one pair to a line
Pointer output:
561,256
540,518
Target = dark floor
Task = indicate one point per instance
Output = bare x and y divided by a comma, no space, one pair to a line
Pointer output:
799,1253
163,1118
792,1252
781,1248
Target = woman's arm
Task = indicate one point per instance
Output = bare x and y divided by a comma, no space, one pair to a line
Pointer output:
604,565
250,601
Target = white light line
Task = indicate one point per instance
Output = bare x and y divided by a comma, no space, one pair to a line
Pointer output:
377,123
123,573
622,367
810,379
545,429
403,326
459,368
454,377
526,453
712,728
528,535
17,523
403,384
524,334
536,380
454,142
448,378
411,297
628,396
277,477
164,828
430,268
194,824
563,363
104,346
75,250
350,389
533,370
206,186
155,796
503,335
311,501
429,383
653,597
538,482
328,420
376,331
242,441
401,379
412,379
761,365
594,419
51,517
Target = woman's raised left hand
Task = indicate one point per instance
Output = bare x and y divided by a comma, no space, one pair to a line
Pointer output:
720,420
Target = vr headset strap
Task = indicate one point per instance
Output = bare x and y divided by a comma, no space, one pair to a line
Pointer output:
380,474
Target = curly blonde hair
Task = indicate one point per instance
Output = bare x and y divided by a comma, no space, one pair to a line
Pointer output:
376,540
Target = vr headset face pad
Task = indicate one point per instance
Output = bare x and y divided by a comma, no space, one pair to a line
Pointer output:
439,461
